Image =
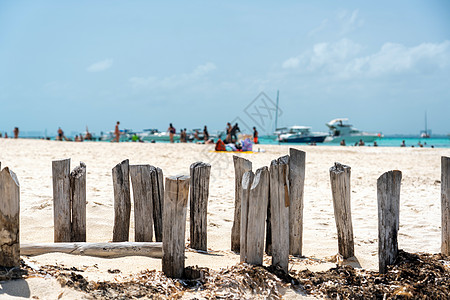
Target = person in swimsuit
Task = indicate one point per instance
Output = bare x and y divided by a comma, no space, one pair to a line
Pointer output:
117,133
171,131
255,136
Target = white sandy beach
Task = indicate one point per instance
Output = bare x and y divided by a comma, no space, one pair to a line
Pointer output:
31,160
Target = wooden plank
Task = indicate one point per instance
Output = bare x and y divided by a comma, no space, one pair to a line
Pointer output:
143,202
78,200
257,210
340,189
176,196
279,207
241,165
122,201
158,201
9,219
199,192
247,180
106,250
297,161
61,200
388,194
445,205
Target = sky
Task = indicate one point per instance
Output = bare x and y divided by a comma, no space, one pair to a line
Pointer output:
73,64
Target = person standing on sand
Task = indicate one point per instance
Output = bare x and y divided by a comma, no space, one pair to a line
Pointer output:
60,134
228,130
171,131
205,134
117,133
255,136
16,132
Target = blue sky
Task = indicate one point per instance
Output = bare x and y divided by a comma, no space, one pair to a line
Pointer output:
382,64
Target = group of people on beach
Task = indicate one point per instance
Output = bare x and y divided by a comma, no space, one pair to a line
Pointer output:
15,132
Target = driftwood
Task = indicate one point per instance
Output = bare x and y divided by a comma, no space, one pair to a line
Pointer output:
388,193
247,180
297,160
279,207
122,201
9,219
241,165
158,201
445,205
61,200
200,173
176,196
143,202
107,250
340,188
257,210
78,203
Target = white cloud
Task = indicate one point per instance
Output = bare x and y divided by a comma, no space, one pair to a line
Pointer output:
173,81
319,28
324,54
349,21
100,66
341,59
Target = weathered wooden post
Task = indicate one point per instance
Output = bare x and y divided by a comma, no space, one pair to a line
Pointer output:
279,207
388,194
247,180
241,165
445,205
257,213
174,225
61,200
199,192
340,188
296,186
9,219
122,201
143,202
78,200
158,201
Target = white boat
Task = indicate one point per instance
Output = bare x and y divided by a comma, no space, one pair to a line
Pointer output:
301,134
150,135
340,130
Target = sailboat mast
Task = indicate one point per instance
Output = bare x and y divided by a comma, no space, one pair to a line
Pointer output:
426,129
276,112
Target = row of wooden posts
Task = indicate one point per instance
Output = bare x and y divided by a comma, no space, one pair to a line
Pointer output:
269,203
268,212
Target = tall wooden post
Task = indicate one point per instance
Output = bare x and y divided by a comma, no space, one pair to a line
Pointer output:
388,193
247,180
122,201
9,219
296,186
257,213
241,165
78,199
279,205
199,192
143,202
340,187
158,201
61,200
445,204
174,225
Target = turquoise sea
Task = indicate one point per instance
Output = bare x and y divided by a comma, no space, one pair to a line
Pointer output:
437,142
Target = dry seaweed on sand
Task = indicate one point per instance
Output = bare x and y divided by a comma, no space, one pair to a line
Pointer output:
413,276
241,281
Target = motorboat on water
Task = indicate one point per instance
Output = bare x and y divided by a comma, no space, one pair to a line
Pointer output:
340,130
151,135
301,134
